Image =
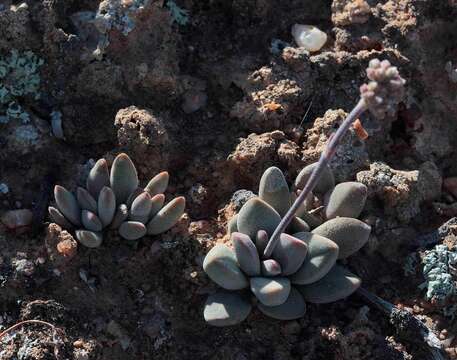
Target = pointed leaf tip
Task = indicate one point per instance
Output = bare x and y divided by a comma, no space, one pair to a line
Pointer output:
246,254
123,177
67,204
273,189
167,217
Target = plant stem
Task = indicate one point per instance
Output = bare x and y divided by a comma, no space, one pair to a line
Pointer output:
407,325
19,324
324,160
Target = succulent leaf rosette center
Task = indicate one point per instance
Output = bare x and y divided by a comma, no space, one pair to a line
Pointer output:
113,199
303,266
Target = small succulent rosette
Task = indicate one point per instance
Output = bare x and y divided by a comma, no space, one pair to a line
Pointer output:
303,266
114,200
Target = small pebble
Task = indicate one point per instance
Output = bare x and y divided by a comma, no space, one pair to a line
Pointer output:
309,37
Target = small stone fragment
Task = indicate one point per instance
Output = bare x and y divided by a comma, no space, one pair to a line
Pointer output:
309,37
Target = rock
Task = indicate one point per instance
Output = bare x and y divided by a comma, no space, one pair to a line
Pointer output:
402,192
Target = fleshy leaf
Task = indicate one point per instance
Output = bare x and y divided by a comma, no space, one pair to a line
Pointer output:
305,205
221,266
132,230
157,202
59,218
123,178
326,182
138,191
321,257
349,234
270,291
141,208
293,308
158,184
122,213
346,199
91,221
336,285
106,205
67,205
273,189
89,239
257,215
85,200
167,217
270,268
298,225
246,254
290,252
98,178
261,241
226,309
231,225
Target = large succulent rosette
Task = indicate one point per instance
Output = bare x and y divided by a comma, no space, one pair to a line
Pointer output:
304,264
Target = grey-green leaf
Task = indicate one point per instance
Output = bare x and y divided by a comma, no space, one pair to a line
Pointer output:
157,202
298,225
91,221
270,291
290,252
261,242
132,230
246,254
85,200
167,217
59,218
158,184
320,258
122,213
123,177
231,225
226,309
326,181
347,199
67,204
98,178
257,215
273,189
221,266
141,208
89,239
293,308
106,205
348,233
338,284
270,268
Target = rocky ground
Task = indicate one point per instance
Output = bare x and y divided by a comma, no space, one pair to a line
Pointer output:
202,89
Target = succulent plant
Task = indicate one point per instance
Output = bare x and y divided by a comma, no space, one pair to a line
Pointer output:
303,266
114,200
